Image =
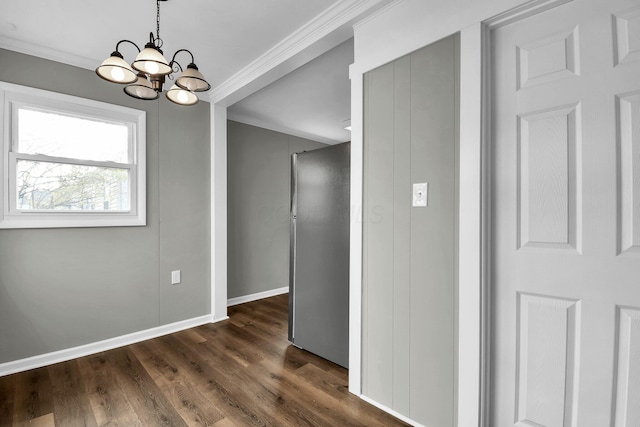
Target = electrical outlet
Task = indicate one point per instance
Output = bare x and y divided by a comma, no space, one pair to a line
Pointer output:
175,277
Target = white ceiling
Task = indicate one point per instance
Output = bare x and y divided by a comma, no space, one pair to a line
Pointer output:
312,102
225,36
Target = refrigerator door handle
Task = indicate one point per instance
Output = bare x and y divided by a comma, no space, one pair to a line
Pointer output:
293,209
292,245
292,281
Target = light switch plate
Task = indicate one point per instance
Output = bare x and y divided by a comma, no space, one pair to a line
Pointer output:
420,194
175,277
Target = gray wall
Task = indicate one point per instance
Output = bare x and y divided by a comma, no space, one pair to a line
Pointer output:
258,207
410,254
61,288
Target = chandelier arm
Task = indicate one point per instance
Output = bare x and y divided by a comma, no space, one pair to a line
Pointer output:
127,41
176,54
154,41
176,66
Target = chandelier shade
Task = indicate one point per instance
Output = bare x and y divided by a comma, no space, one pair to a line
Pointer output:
181,96
152,61
115,70
146,76
141,89
193,80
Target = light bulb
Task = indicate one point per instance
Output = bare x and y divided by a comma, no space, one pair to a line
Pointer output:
183,97
151,67
192,84
117,74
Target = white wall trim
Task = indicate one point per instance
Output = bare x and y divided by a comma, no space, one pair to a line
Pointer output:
248,120
485,339
48,53
375,14
257,296
391,411
355,232
329,21
39,361
218,212
470,268
521,12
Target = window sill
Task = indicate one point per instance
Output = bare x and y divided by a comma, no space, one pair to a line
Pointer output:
72,221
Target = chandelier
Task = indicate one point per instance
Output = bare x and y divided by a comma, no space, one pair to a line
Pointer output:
151,68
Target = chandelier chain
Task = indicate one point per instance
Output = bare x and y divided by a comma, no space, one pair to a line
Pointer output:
159,40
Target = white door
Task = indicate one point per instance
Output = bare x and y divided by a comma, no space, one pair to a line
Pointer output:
565,271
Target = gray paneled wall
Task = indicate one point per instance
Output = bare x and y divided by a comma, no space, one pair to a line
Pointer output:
258,207
410,253
61,288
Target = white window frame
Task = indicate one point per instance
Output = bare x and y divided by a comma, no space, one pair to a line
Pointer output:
12,97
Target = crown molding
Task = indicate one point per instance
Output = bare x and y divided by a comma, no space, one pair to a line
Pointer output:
336,16
377,13
47,53
523,11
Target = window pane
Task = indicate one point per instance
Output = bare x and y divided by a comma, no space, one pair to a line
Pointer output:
63,187
52,134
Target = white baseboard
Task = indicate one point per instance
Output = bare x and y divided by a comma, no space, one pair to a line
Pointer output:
39,361
259,295
390,411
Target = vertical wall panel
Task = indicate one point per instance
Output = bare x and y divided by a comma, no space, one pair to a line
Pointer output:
402,326
409,307
379,238
432,231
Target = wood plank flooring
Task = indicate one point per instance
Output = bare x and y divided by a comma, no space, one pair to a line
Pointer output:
239,372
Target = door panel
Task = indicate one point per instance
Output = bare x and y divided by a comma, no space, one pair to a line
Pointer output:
547,358
629,164
565,154
627,392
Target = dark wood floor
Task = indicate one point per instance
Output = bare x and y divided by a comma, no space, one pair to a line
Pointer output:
238,372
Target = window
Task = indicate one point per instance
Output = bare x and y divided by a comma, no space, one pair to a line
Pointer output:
70,162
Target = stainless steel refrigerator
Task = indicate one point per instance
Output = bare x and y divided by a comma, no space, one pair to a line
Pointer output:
319,268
